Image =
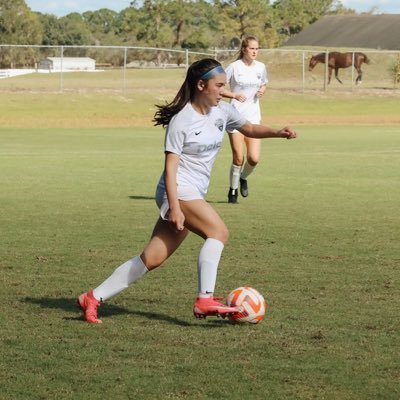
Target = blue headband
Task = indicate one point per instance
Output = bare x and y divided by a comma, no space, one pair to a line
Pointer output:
212,72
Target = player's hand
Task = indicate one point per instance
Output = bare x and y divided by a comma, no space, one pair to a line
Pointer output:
240,97
177,219
287,133
260,93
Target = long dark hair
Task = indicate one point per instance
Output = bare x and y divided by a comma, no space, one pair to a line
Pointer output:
245,43
186,93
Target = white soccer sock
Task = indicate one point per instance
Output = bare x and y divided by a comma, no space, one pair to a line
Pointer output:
234,176
207,266
120,279
247,170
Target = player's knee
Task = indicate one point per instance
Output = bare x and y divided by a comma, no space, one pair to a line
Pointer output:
237,159
253,160
222,234
151,261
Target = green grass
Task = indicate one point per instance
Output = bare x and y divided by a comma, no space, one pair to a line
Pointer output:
136,109
318,236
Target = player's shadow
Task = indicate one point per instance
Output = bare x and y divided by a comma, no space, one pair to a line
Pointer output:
141,197
152,198
108,310
218,202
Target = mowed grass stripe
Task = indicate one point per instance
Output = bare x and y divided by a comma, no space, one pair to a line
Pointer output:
318,236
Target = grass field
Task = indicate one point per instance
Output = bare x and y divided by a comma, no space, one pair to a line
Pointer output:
318,236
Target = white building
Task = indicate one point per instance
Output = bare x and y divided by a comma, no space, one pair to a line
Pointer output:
68,64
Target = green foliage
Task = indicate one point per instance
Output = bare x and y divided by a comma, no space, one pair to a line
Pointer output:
295,15
74,30
394,71
237,18
102,21
52,30
194,24
18,25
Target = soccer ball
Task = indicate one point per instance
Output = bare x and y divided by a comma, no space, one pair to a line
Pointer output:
252,303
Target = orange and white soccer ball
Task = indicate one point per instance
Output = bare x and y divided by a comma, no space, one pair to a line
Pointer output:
251,302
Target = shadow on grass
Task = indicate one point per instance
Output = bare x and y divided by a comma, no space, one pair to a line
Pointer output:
108,310
152,198
141,197
221,202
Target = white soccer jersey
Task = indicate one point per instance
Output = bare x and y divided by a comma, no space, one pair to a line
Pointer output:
247,80
197,139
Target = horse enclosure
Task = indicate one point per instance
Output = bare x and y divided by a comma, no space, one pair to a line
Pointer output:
21,67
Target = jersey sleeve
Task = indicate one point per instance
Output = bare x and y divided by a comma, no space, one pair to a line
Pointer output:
174,139
234,118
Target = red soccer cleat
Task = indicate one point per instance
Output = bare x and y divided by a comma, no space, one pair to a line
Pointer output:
209,306
89,306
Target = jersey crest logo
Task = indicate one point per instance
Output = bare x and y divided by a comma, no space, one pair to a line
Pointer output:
219,123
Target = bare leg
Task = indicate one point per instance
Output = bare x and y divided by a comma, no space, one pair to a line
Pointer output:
164,241
237,145
253,147
203,220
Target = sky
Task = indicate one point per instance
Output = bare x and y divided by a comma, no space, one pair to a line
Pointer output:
61,8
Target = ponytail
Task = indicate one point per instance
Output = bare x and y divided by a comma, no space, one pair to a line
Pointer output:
197,71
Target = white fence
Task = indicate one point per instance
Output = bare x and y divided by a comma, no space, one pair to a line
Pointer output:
287,68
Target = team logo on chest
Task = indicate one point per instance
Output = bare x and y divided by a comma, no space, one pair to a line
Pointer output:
219,123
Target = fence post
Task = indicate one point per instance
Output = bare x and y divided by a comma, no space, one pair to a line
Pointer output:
352,70
304,69
61,69
124,73
326,70
187,59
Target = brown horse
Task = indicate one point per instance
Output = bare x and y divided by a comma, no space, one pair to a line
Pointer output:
338,60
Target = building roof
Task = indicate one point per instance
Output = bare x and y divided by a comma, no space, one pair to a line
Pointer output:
72,59
353,31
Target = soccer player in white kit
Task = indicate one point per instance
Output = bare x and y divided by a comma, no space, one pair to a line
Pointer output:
195,123
247,79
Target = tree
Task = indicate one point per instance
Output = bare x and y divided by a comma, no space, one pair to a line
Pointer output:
18,25
101,22
75,30
239,18
154,28
127,25
52,30
294,15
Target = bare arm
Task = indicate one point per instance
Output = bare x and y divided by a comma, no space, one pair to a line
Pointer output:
262,131
175,215
232,95
261,91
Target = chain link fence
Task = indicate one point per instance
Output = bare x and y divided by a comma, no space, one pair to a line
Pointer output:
59,68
